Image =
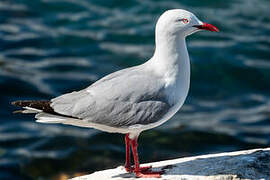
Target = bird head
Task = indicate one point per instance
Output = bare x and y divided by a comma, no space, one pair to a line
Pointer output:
181,22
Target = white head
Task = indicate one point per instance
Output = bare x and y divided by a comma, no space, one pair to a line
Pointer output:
181,23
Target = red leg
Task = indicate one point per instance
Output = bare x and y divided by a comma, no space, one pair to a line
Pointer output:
127,164
142,172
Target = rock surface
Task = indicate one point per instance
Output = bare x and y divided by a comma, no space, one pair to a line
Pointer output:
248,164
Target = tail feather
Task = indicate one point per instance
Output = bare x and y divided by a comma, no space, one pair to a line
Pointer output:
49,118
52,118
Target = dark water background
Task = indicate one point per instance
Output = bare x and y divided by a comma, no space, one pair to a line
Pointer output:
50,47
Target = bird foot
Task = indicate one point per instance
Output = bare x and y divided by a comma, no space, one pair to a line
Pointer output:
149,174
145,172
141,169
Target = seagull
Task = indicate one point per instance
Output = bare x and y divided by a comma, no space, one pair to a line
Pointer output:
134,99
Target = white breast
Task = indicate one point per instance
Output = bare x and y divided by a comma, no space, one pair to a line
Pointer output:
176,76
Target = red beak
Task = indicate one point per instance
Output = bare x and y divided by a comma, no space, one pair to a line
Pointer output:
208,27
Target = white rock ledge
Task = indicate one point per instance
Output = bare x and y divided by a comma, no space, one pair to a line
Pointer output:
248,164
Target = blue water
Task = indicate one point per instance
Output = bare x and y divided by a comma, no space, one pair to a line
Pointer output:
50,47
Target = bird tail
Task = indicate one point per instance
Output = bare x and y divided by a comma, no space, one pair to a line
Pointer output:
43,117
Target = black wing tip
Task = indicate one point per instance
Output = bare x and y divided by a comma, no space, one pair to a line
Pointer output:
30,103
15,103
43,105
20,103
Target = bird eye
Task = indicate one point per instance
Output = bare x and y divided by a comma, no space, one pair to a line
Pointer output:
185,21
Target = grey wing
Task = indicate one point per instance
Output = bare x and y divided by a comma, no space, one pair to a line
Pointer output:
121,99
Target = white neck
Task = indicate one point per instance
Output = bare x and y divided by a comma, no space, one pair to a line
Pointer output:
171,62
171,55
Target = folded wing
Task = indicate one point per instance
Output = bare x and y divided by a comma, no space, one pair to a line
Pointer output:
123,98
